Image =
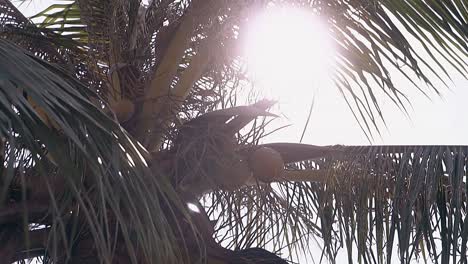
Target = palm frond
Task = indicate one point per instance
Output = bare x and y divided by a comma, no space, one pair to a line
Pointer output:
371,37
44,43
375,37
366,200
367,197
96,182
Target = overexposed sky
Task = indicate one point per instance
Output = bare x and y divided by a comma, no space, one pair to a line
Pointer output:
297,75
436,121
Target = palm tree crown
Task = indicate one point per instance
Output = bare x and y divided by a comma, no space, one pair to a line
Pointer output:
114,115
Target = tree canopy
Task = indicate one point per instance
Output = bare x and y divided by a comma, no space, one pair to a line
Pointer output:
116,115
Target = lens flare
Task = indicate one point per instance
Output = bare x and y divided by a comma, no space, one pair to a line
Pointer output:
289,53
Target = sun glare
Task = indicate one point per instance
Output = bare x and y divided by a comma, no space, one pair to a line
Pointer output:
289,54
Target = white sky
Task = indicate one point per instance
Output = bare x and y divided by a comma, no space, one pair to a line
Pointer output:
438,120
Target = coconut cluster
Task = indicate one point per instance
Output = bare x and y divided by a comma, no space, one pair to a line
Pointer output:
219,165
207,155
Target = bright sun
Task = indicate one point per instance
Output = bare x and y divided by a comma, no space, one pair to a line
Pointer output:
289,54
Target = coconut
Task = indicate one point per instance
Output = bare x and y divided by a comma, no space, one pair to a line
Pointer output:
266,164
123,109
234,176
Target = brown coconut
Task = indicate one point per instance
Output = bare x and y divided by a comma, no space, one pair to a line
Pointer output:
228,176
235,175
266,164
123,109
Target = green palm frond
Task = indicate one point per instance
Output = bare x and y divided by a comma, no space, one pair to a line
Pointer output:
42,42
59,49
61,18
53,134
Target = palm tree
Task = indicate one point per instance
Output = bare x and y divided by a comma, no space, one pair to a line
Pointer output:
117,114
